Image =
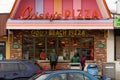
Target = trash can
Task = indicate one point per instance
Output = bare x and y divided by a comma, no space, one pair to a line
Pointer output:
92,68
108,70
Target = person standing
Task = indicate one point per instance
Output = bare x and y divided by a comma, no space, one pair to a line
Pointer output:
42,55
75,59
53,59
83,59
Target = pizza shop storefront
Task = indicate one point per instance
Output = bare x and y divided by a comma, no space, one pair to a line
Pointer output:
27,42
38,25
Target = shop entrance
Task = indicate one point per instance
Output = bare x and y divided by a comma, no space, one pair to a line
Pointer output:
64,47
2,50
117,44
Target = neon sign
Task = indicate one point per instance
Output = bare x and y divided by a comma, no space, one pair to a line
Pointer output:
68,14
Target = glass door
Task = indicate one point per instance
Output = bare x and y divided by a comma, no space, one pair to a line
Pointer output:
2,50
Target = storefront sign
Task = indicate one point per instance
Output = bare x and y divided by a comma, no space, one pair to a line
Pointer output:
2,44
82,14
100,45
59,33
117,22
15,46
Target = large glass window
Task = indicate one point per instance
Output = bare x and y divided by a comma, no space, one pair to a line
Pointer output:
59,77
78,76
63,48
39,47
51,44
28,48
74,46
6,67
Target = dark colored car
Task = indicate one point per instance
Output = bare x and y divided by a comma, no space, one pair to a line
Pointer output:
18,69
71,74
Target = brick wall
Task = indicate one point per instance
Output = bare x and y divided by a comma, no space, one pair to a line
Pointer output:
3,20
100,54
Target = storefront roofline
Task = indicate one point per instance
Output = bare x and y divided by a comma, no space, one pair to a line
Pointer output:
60,24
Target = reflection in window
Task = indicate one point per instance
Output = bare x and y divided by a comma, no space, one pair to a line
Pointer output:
40,48
51,44
87,47
22,67
5,67
78,76
74,44
64,47
28,48
59,77
41,77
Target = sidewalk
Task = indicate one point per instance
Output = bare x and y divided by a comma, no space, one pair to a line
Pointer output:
117,75
117,70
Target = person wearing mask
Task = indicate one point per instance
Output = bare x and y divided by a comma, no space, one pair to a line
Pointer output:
53,59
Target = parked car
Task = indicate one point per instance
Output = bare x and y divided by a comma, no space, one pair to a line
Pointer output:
71,74
18,69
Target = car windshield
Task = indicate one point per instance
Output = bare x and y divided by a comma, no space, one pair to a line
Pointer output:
40,77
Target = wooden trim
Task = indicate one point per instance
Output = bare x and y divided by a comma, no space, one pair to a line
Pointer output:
108,11
13,8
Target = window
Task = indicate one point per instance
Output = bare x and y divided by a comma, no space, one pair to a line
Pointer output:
64,47
40,48
41,77
77,76
51,44
22,66
28,48
59,77
9,67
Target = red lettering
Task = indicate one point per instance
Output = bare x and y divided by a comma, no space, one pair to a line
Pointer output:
67,14
87,14
26,12
73,14
80,12
41,16
95,14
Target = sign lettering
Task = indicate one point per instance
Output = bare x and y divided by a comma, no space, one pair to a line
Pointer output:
59,33
69,14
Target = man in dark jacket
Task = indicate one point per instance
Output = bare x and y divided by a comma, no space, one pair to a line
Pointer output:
53,59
